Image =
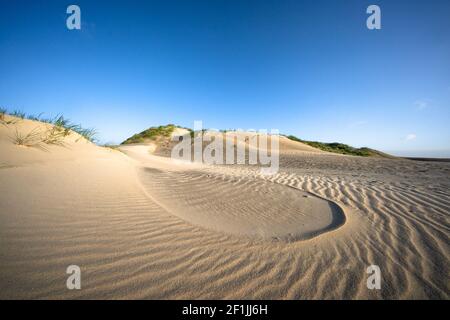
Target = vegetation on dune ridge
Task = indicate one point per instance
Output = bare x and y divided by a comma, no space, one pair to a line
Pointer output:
3,121
152,133
156,133
61,126
336,147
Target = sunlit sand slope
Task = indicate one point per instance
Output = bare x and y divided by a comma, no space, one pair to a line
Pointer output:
112,215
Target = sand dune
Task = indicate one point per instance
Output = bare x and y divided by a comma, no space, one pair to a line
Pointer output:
239,138
142,226
242,207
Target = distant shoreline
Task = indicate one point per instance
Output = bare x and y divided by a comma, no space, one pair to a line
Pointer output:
427,159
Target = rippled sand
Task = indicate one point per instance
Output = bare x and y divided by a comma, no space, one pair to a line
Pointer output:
140,226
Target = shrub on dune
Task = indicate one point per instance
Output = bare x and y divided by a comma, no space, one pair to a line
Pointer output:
151,134
336,147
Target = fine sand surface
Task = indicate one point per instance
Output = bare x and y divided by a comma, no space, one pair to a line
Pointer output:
145,226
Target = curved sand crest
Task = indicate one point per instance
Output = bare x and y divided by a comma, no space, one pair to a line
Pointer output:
243,207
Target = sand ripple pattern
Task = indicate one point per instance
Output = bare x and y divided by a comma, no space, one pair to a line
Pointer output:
129,247
242,206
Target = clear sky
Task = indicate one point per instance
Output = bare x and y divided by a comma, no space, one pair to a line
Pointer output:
307,68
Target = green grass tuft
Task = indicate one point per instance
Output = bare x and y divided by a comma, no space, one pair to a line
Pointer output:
3,121
31,139
2,114
19,114
61,126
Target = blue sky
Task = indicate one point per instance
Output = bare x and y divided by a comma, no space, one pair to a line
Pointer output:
308,68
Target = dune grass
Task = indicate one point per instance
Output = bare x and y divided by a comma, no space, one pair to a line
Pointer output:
38,137
18,114
2,115
151,134
55,135
3,120
35,118
66,126
31,139
61,126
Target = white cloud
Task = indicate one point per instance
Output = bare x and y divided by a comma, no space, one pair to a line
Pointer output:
411,136
421,104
